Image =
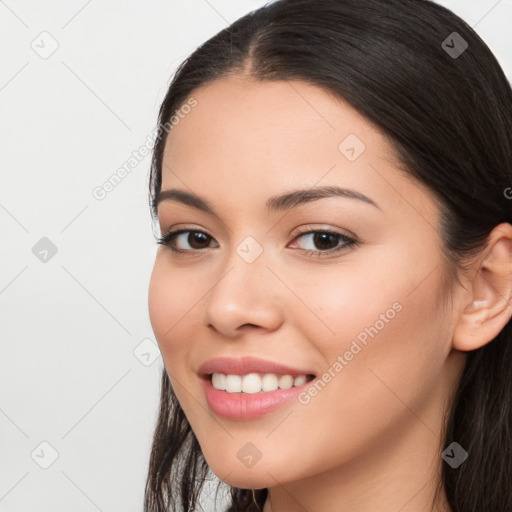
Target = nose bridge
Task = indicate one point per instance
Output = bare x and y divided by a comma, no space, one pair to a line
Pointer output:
245,269
245,291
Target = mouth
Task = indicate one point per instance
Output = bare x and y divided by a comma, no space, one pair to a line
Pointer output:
249,387
253,383
252,395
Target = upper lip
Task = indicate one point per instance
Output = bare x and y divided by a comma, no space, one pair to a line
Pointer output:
244,365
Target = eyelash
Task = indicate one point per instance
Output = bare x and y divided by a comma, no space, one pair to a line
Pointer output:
169,237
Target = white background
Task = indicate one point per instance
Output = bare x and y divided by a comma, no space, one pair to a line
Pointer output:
69,327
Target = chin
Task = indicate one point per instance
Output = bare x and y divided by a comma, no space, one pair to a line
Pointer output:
239,476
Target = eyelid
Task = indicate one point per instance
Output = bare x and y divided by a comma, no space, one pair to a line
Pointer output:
299,231
315,227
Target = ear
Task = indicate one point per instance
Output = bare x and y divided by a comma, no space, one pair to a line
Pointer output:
486,305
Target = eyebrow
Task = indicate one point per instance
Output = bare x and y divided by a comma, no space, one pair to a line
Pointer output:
274,204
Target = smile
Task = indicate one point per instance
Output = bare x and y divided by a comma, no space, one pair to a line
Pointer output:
256,382
247,388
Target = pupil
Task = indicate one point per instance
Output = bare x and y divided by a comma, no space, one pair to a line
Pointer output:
320,238
193,237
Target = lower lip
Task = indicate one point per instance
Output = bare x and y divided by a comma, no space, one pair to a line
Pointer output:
247,406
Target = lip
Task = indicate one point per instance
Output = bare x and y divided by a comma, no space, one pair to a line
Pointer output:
248,406
244,365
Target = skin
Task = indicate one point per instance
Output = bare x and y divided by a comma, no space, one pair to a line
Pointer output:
371,438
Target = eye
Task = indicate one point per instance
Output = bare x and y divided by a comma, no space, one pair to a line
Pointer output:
195,238
328,240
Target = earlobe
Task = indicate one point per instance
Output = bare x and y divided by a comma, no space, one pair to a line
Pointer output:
487,305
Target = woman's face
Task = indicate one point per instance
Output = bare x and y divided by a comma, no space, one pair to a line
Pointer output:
366,320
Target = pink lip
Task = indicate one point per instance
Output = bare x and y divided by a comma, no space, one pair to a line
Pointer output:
245,365
247,406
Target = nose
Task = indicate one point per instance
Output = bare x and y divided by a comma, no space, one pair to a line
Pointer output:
246,296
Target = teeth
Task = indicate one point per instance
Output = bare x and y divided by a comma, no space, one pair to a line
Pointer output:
255,382
250,383
233,384
219,381
269,382
285,382
301,379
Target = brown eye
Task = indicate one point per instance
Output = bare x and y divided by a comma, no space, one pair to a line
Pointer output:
197,240
325,242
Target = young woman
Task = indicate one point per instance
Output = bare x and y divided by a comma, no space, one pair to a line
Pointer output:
332,180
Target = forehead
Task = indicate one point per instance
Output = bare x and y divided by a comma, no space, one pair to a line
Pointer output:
244,136
243,110
239,120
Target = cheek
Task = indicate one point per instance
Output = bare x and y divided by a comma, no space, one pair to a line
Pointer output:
340,305
373,391
173,316
394,296
376,340
171,308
